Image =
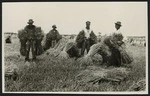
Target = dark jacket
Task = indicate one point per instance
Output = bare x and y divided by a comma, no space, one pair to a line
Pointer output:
30,29
81,37
53,35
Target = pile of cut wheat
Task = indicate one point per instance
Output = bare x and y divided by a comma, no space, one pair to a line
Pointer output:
58,48
138,86
22,34
63,54
94,74
99,48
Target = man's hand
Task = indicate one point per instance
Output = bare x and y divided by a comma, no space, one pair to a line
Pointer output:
120,43
120,49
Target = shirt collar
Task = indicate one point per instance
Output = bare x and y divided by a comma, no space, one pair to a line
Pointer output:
118,31
87,30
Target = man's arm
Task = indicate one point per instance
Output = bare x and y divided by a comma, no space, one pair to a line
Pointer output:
26,27
93,37
58,36
80,37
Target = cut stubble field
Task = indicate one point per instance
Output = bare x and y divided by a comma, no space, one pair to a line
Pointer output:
51,74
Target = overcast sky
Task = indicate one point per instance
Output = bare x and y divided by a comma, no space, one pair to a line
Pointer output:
70,17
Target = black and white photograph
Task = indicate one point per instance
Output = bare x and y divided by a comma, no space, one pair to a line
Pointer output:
75,47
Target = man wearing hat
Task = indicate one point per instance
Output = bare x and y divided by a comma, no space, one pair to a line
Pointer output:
118,35
30,26
86,38
30,30
115,43
118,41
52,38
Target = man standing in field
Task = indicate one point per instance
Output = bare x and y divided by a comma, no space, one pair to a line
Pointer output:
52,38
117,45
31,40
86,38
116,56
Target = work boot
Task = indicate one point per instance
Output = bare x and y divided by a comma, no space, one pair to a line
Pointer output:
34,59
27,59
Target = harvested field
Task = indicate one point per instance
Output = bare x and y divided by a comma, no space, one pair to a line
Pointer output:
52,74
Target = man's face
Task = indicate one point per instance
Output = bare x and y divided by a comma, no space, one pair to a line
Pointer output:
54,28
87,24
117,26
30,23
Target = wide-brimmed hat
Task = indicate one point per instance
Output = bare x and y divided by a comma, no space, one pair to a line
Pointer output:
88,22
118,23
30,21
54,26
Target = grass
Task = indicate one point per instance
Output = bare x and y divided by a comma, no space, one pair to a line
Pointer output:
51,74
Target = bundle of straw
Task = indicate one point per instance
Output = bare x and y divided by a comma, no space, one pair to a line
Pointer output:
39,37
139,86
87,59
61,44
23,47
11,71
58,48
22,34
69,45
100,48
126,57
97,59
94,49
63,55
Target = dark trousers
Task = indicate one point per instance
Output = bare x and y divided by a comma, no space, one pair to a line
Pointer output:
31,44
115,58
39,47
85,46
